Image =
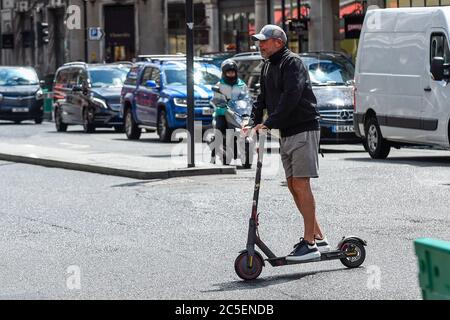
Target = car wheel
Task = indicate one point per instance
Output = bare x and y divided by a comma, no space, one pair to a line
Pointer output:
38,120
88,121
377,146
60,125
364,143
164,132
17,121
132,130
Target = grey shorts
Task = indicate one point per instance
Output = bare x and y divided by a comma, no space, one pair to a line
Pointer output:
300,154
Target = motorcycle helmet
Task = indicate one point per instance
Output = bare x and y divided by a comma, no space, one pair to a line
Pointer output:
228,65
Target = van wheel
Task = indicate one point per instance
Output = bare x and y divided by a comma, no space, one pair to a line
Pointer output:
132,130
59,124
164,132
88,121
377,146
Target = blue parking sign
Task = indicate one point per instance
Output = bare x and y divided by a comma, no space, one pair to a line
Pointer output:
95,33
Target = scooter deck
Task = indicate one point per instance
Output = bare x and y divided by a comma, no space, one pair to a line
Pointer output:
330,255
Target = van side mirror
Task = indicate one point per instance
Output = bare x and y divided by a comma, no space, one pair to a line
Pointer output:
437,68
257,86
151,84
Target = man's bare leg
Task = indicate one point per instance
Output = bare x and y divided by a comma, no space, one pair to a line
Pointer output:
304,199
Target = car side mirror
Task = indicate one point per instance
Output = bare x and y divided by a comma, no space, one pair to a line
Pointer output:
151,84
257,86
437,68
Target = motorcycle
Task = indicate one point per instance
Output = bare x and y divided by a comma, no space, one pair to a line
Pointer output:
235,113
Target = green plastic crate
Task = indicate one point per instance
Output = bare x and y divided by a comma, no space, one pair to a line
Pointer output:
47,101
434,268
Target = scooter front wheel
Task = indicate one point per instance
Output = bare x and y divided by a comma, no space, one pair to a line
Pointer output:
355,253
243,268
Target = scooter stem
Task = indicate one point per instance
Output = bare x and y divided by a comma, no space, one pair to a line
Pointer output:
260,152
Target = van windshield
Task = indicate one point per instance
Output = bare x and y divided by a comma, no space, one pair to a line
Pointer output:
325,71
18,77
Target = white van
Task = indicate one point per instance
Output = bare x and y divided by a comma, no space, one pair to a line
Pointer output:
402,95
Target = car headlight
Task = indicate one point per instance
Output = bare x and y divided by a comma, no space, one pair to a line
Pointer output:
180,102
100,102
39,94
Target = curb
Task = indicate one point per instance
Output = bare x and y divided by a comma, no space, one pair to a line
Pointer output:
134,174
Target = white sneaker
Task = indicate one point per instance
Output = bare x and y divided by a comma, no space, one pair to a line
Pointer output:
304,251
323,245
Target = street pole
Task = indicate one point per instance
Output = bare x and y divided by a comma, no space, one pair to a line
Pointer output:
85,31
299,16
190,80
283,14
269,11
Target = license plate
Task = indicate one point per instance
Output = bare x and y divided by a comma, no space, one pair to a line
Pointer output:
20,109
207,111
342,129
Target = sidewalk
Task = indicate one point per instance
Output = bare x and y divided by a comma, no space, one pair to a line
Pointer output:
116,164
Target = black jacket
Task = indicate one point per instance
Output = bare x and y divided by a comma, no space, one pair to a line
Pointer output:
287,94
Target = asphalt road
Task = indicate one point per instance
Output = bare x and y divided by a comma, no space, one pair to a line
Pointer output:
178,238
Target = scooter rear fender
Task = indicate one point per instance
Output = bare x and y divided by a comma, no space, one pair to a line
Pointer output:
363,242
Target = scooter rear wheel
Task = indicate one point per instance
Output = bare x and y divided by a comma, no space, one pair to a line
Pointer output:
244,271
355,252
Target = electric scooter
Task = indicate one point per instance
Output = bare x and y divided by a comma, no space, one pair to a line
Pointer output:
248,265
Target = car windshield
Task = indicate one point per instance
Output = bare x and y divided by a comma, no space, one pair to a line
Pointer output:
108,77
329,71
204,74
18,77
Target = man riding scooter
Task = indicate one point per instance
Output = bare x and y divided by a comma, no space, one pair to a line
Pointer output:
233,107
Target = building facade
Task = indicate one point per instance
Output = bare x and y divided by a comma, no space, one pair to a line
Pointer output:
116,30
73,29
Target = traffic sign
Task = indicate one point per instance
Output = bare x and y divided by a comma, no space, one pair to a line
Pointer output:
96,33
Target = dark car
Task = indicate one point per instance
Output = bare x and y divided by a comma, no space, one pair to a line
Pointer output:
21,96
88,95
332,79
217,57
249,69
154,96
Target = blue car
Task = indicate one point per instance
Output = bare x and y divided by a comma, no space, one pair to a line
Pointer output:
154,96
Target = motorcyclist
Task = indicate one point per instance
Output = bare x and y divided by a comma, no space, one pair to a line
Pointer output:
231,88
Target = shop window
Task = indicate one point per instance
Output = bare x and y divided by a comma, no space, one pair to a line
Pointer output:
404,3
445,2
432,3
251,23
391,4
418,3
